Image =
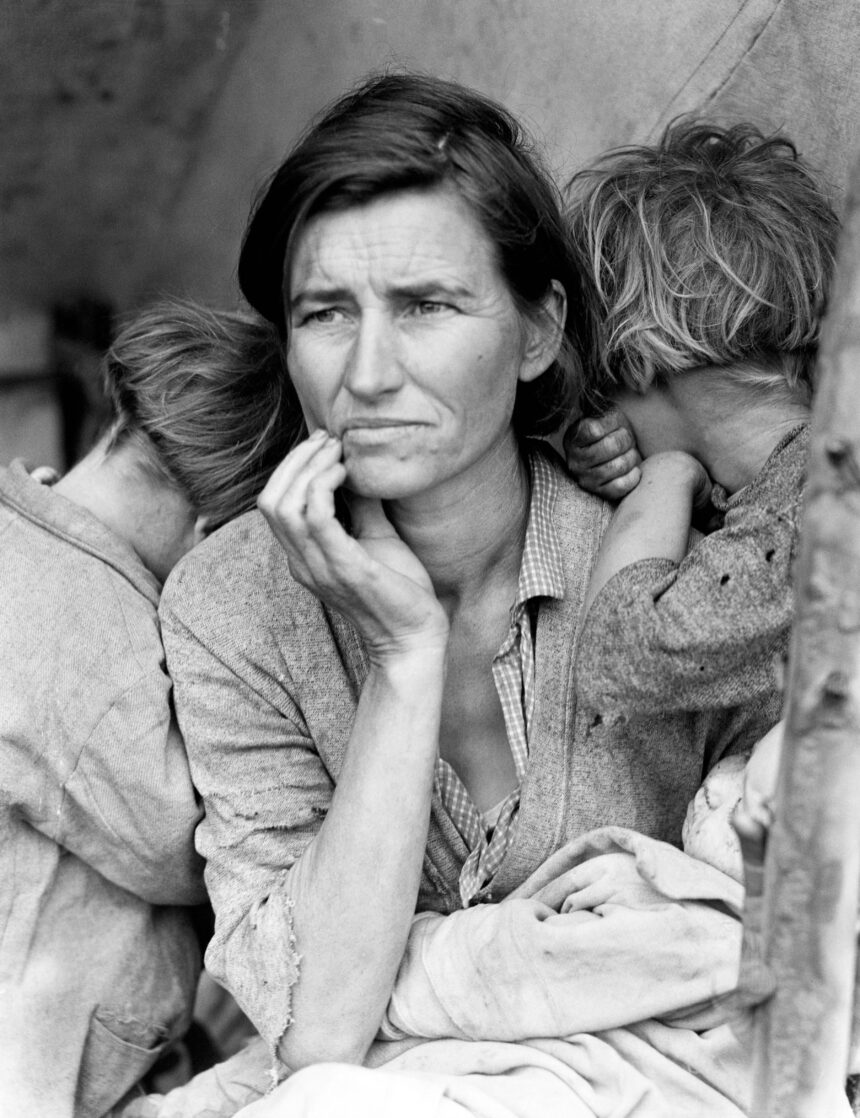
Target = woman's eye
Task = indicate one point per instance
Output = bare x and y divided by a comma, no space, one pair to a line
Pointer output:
322,316
325,314
428,307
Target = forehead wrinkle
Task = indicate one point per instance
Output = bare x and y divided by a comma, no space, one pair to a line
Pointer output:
358,246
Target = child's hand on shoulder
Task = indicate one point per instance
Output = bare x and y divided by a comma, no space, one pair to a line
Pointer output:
602,455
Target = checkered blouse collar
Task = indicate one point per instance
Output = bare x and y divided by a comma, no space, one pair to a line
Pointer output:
541,570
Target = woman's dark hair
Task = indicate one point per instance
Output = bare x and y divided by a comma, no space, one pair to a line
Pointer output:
404,131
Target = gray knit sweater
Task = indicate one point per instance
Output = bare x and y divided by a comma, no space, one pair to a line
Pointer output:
712,631
266,684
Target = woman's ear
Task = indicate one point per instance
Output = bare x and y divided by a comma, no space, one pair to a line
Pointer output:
545,331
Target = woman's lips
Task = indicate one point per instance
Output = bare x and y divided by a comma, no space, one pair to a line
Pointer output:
374,433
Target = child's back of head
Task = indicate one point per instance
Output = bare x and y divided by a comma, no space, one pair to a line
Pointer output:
206,396
714,247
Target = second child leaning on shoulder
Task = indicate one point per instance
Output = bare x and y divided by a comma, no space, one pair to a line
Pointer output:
710,257
98,870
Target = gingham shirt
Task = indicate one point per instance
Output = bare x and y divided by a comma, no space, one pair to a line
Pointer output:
541,576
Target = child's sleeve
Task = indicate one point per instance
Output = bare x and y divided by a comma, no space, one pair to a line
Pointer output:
702,634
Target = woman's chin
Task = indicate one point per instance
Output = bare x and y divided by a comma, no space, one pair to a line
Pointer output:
386,481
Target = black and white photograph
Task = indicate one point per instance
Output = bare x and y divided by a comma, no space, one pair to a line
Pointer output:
429,558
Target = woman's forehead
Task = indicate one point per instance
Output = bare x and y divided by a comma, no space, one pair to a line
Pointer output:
412,236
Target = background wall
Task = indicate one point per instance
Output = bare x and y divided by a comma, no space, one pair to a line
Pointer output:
135,132
585,74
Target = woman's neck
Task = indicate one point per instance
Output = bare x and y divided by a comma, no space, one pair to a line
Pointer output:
469,533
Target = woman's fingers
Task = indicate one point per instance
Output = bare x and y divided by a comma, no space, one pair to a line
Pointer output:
298,503
286,472
597,881
319,508
304,475
588,897
571,881
368,518
372,576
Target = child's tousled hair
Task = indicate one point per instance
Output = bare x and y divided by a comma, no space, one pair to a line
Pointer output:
713,247
206,397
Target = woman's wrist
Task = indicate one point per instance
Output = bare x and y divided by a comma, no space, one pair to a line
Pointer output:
422,656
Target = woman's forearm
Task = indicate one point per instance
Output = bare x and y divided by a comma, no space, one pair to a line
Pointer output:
355,887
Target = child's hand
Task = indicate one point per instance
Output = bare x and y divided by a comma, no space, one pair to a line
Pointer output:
753,816
602,455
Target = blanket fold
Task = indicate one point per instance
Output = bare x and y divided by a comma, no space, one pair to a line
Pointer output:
533,967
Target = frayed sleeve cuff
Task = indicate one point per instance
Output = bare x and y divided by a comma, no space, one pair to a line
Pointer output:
259,962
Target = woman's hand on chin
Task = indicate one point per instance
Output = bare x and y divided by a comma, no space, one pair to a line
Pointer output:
371,577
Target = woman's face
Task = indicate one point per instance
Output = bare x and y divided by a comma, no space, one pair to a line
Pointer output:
405,342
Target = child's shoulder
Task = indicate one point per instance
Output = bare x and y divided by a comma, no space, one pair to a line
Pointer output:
785,467
778,486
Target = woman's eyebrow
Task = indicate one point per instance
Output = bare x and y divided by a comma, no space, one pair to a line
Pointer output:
319,295
425,289
408,289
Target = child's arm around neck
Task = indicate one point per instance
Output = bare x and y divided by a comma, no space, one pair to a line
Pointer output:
652,522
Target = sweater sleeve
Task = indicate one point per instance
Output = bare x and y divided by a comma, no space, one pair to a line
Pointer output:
265,791
703,634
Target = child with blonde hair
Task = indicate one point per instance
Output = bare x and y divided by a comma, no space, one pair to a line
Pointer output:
709,257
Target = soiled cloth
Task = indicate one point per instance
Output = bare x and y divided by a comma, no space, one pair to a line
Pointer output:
267,681
529,1008
626,1014
666,940
540,1009
98,955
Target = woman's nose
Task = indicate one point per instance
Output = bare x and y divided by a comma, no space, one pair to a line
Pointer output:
373,366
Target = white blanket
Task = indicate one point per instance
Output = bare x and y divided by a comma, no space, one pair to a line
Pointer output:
543,1010
534,1008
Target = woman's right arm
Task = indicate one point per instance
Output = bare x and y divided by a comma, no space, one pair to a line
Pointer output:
355,887
346,903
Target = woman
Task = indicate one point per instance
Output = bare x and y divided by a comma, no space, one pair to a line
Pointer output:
100,957
378,709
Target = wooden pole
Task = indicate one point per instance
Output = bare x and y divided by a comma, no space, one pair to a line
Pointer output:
812,868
